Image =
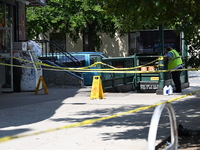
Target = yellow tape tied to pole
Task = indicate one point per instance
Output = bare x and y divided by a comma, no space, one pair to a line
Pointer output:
97,90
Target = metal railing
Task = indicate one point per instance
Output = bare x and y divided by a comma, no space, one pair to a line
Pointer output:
51,50
154,126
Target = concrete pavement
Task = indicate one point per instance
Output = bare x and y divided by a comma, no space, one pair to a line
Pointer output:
25,113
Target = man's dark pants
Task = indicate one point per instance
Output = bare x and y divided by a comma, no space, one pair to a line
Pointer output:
177,81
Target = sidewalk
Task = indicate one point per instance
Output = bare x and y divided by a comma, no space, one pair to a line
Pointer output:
25,113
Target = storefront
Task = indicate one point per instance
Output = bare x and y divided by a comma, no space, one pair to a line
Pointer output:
12,29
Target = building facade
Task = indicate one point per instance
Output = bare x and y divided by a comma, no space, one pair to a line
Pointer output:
12,29
138,42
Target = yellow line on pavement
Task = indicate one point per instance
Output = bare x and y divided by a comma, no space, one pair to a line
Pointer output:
91,121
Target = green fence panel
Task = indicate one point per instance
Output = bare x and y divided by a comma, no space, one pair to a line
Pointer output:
119,82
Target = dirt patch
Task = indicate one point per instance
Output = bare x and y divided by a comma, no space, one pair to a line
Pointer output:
188,139
184,143
189,143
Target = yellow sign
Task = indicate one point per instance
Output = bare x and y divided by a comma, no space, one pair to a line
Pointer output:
97,90
41,79
154,78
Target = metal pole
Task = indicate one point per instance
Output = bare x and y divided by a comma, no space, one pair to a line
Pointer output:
184,54
161,62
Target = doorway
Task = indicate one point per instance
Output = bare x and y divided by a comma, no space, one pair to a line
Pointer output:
6,69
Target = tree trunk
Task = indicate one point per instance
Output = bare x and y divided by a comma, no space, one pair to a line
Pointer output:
91,33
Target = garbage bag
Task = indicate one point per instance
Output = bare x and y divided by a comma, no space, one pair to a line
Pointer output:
186,132
32,45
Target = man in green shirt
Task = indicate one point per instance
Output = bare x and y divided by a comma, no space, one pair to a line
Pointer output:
174,63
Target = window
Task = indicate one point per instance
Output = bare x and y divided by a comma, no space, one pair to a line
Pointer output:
132,43
147,42
66,61
59,38
94,58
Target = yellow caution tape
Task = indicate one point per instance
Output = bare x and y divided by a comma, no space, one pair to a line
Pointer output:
160,57
93,65
91,121
100,70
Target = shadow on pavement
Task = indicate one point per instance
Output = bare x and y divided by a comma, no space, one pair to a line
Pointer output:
136,124
187,113
10,108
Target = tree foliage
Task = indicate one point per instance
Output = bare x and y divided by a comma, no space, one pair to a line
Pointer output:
108,16
183,16
73,17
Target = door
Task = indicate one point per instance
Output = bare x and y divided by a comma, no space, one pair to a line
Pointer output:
6,68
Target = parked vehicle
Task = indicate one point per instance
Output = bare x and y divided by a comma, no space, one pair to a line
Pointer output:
83,59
